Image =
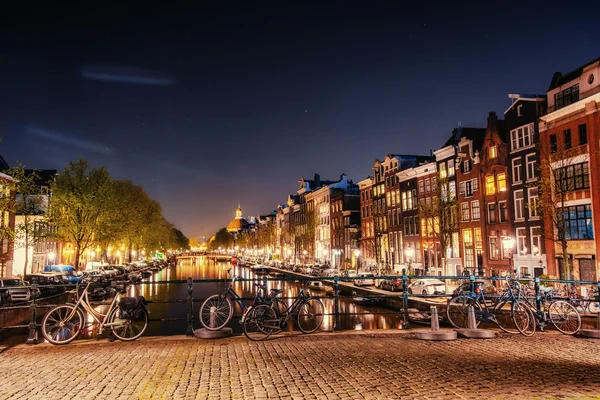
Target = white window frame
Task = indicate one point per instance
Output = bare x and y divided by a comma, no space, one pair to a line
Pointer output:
465,212
475,202
527,162
533,212
521,241
533,240
500,212
521,209
516,170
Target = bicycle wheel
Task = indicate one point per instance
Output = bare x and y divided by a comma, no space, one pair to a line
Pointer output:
457,310
260,322
507,320
127,330
62,324
564,317
216,312
310,316
523,318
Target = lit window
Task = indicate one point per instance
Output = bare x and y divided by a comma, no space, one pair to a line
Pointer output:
501,182
493,152
490,187
443,173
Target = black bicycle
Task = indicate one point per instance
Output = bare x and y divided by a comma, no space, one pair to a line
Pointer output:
217,310
263,320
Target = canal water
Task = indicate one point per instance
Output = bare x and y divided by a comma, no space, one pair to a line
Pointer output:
173,315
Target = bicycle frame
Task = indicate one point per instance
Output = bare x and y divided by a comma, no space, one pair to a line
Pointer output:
83,302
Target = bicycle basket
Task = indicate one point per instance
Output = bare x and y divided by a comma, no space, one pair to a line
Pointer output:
132,308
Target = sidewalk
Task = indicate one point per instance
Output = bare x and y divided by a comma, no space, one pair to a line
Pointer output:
347,365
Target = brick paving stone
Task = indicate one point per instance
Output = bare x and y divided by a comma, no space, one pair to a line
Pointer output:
370,365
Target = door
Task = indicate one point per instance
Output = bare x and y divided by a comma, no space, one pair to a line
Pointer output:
587,270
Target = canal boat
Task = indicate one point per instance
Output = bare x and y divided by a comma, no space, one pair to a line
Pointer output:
365,301
320,286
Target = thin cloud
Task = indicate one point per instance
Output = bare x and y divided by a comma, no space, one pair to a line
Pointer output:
68,140
126,75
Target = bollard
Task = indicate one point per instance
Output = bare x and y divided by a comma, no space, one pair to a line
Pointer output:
190,315
336,303
406,323
435,333
538,298
471,321
33,335
435,321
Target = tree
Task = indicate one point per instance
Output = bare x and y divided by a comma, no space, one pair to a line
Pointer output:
222,239
439,215
563,171
30,206
193,243
80,206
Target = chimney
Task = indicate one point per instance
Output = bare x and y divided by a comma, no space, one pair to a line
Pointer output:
317,181
492,120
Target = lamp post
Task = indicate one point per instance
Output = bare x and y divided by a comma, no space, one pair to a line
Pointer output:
51,257
356,259
508,243
409,253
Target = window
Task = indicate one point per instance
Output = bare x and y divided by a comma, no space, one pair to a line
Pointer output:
503,211
475,185
452,190
578,222
427,185
572,177
493,248
566,97
492,213
536,240
469,188
583,134
493,152
466,166
516,169
519,205
531,166
468,243
532,196
521,241
461,188
553,143
421,186
502,182
475,210
521,137
442,169
490,187
451,167
567,138
464,212
519,111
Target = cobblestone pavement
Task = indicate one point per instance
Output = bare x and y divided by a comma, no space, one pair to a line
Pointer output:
365,365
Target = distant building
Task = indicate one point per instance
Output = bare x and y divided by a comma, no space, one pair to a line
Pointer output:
7,225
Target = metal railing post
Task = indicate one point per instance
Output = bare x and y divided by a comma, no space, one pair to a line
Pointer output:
33,335
472,279
406,324
336,303
190,315
538,298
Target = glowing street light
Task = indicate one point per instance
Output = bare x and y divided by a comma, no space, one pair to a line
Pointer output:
408,252
51,257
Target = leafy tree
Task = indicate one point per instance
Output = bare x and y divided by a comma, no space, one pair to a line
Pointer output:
222,239
80,206
193,243
439,216
30,206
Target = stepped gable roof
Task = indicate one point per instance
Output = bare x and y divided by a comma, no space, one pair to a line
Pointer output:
474,134
559,79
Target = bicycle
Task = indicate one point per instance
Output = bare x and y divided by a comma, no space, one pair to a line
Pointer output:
458,306
584,305
62,324
217,310
263,320
560,313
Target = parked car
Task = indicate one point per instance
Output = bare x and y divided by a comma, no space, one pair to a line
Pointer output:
69,275
427,287
51,283
365,279
13,290
394,285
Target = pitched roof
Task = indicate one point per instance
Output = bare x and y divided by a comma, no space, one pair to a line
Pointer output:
474,134
559,79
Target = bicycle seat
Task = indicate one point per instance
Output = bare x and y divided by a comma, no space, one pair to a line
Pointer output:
546,289
276,291
260,286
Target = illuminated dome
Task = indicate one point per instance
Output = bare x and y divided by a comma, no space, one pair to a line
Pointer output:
238,223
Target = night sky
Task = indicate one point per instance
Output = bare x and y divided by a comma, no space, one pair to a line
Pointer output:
209,107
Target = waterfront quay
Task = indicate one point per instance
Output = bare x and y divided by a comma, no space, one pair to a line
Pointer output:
382,364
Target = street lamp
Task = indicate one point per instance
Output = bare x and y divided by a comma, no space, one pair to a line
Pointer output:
508,243
304,252
409,253
357,256
51,257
